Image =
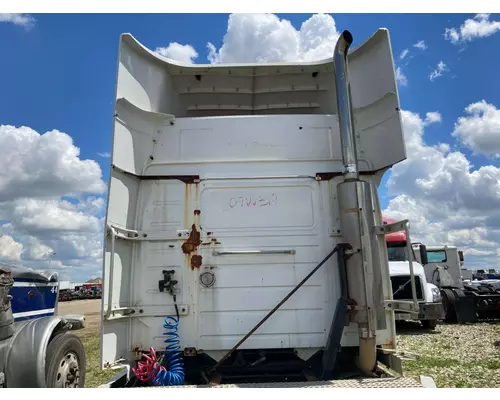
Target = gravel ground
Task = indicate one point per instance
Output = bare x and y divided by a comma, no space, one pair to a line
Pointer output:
454,355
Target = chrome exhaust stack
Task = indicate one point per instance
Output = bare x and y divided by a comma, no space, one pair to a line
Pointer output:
344,107
356,204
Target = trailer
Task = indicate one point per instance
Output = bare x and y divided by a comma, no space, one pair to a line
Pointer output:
37,349
463,301
244,239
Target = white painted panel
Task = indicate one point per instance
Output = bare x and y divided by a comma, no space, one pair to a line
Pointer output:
246,142
257,207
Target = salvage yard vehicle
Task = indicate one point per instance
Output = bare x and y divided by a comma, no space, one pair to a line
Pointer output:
403,265
463,301
36,348
244,237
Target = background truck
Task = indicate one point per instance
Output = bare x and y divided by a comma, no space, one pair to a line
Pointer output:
402,260
244,239
36,348
463,301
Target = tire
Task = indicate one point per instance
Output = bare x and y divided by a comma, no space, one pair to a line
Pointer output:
65,362
429,323
448,298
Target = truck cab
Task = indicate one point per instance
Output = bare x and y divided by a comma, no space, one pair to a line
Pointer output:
428,296
231,189
464,300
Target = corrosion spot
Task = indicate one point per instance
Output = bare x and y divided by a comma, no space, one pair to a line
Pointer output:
209,233
197,212
196,261
192,241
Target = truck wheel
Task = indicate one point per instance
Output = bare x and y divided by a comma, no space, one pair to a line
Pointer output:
429,323
65,362
448,305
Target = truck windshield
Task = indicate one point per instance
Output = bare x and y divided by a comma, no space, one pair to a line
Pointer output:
398,252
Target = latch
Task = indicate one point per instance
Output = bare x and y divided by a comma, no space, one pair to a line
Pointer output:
167,284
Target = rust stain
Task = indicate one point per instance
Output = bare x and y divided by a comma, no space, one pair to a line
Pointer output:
196,261
192,242
186,202
197,212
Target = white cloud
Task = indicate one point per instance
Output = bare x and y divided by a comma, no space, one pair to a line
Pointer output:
178,52
445,198
478,27
401,77
432,117
441,67
104,155
480,129
41,215
266,38
36,250
420,45
403,54
48,165
9,248
24,20
51,201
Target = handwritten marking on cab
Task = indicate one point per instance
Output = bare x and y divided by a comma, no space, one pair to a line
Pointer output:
253,201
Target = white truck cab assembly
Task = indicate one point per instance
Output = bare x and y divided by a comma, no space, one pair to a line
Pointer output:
245,241
464,301
407,260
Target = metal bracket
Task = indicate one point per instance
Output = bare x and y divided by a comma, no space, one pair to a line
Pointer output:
152,311
167,284
398,227
391,360
397,305
390,228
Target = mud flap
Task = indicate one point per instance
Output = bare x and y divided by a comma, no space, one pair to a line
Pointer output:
465,308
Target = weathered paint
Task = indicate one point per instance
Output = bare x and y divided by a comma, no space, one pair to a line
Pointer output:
197,165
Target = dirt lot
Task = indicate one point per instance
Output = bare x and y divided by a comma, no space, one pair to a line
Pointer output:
90,336
454,355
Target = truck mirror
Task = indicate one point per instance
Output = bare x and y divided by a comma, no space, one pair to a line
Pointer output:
423,254
461,255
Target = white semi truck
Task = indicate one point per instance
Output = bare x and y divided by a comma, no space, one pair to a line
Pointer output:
405,261
245,242
464,301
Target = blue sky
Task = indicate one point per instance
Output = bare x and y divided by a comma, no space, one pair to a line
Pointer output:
60,72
